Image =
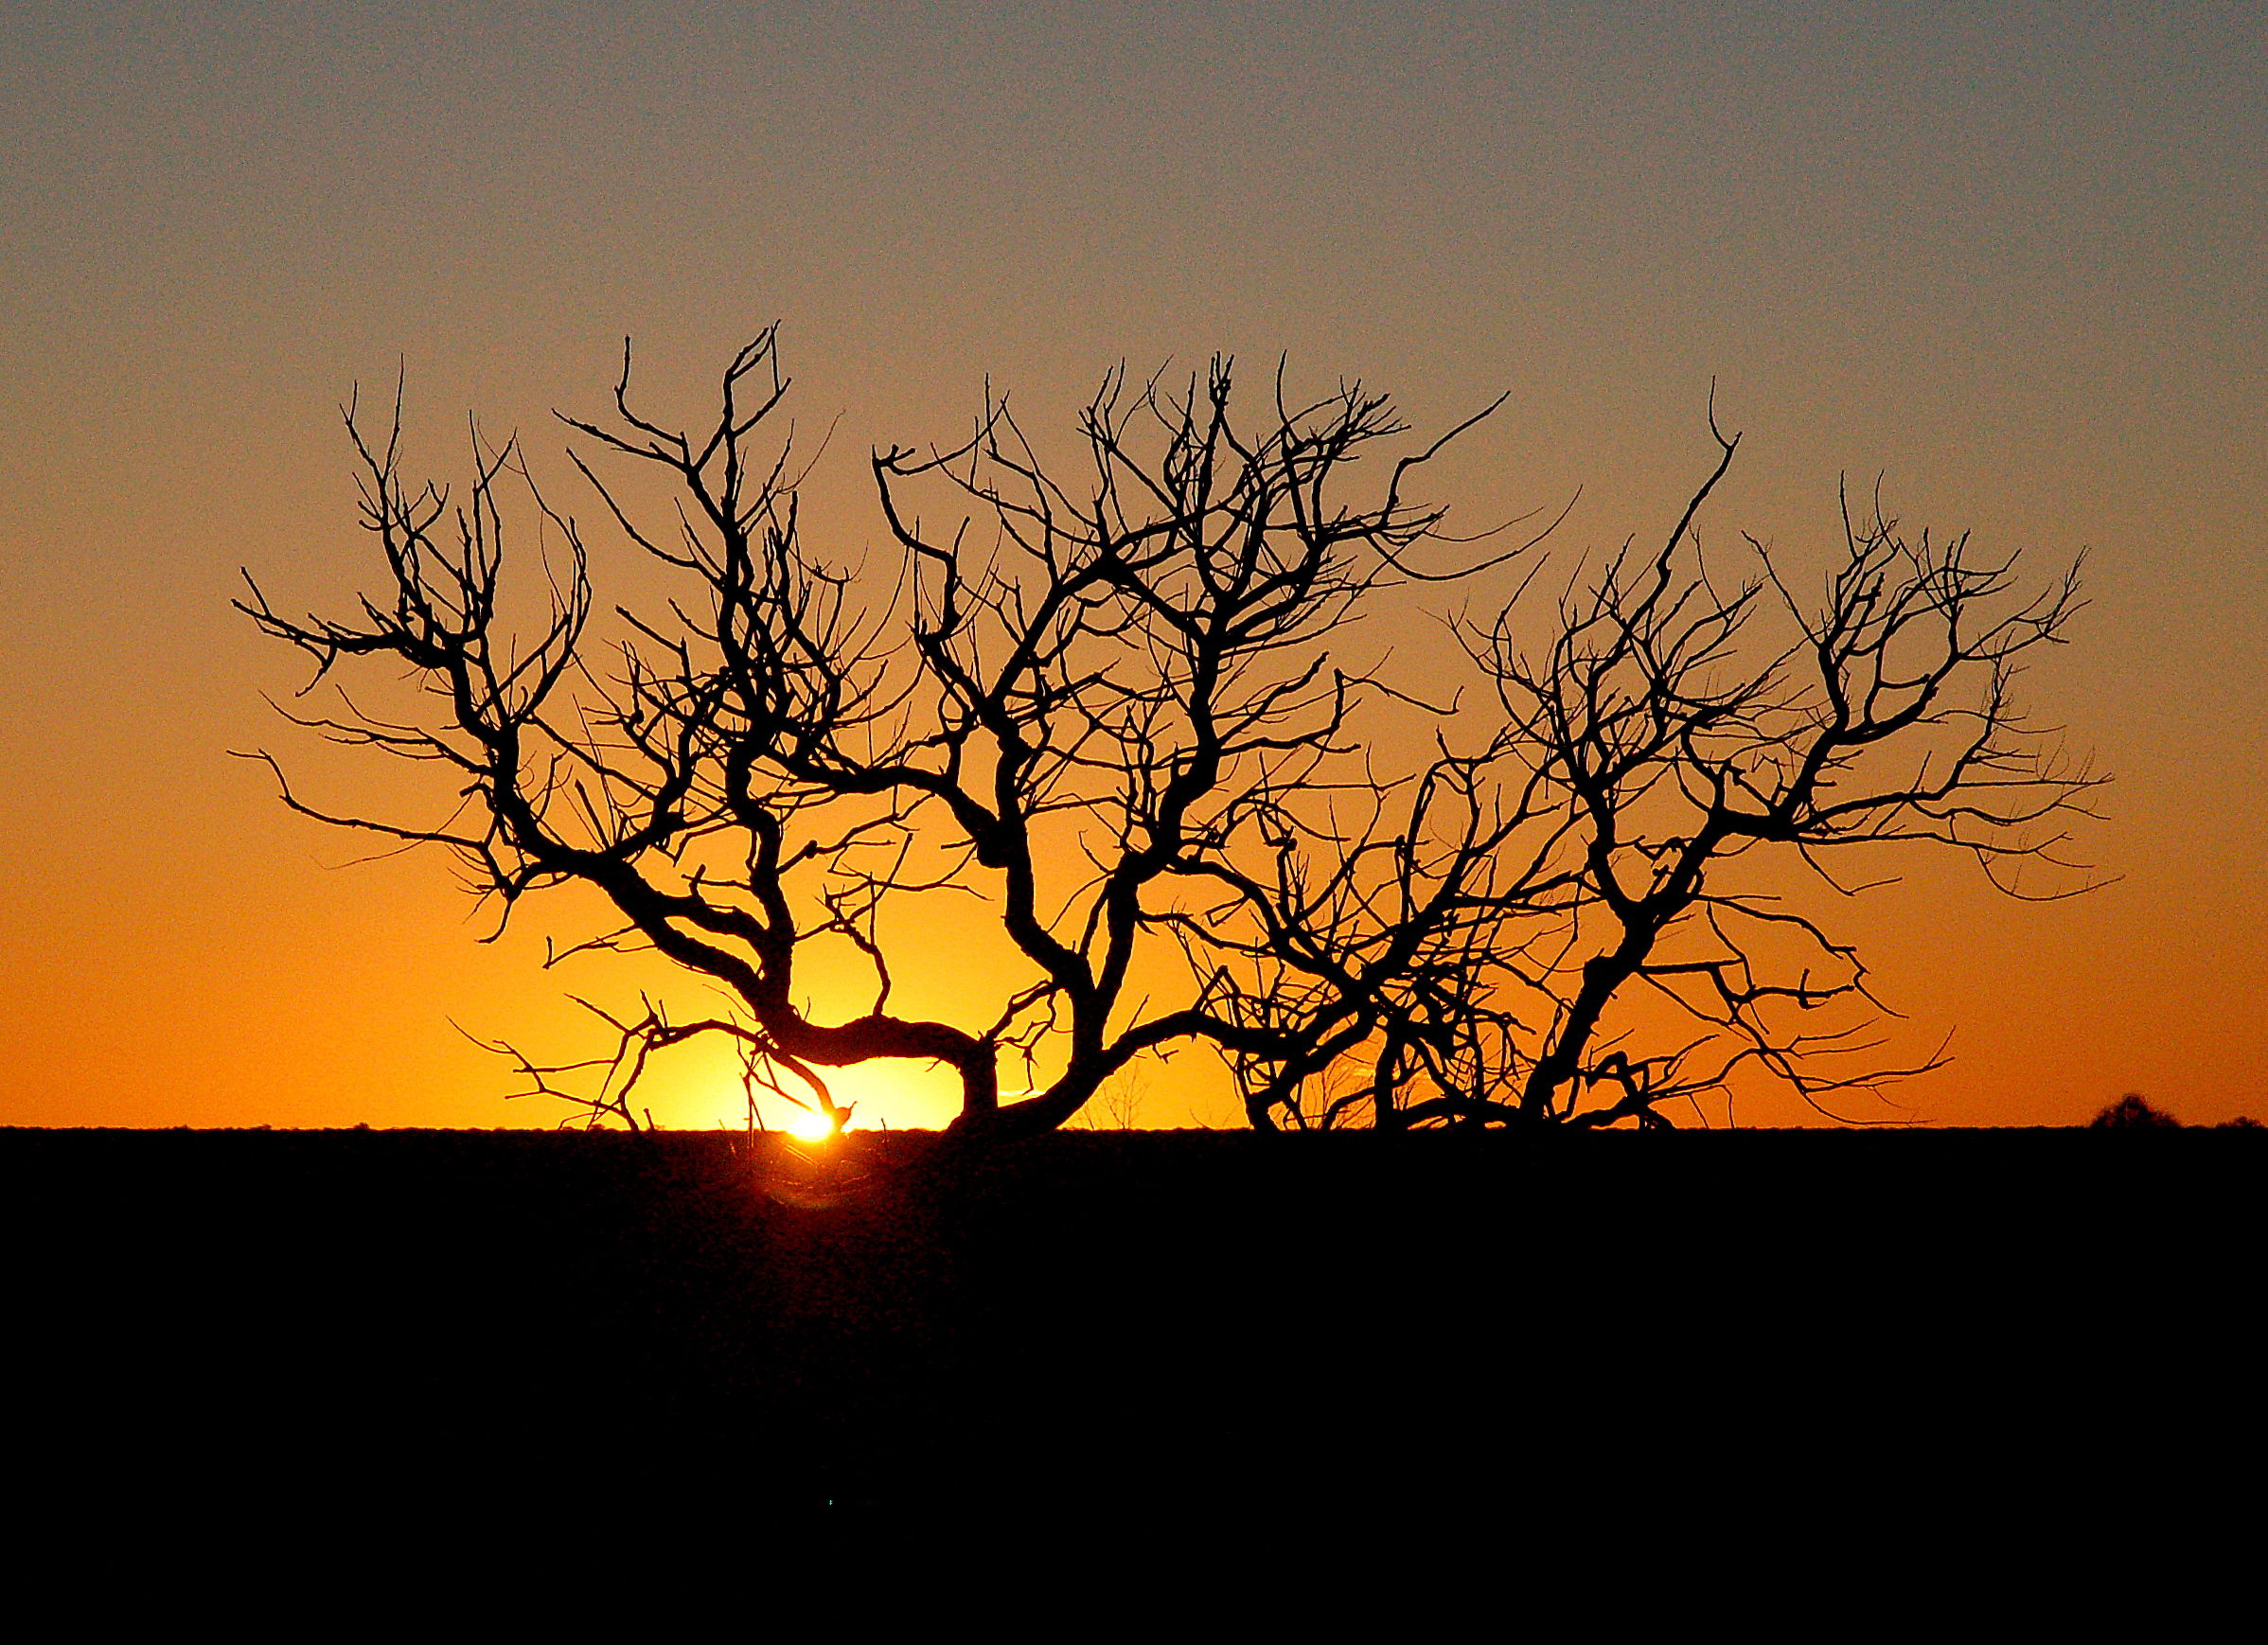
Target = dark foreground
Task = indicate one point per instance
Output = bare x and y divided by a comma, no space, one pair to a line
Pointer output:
1197,1321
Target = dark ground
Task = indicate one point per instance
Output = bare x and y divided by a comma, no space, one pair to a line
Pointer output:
1417,1325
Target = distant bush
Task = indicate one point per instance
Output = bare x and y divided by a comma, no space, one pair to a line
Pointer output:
2131,1112
2241,1123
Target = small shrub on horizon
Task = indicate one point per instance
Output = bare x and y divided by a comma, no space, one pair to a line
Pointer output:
2133,1112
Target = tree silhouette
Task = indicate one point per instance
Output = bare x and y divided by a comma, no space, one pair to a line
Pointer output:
2134,1112
1109,702
1660,729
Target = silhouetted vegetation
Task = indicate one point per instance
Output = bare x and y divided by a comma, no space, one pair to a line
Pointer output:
2133,1112
1113,696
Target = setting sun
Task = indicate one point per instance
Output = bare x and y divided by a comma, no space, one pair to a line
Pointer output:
809,1124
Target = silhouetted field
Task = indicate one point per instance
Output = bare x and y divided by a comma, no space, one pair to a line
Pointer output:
1174,1317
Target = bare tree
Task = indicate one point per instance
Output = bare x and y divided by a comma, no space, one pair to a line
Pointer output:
1674,750
1109,702
1079,694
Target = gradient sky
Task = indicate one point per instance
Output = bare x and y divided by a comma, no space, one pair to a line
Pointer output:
2008,258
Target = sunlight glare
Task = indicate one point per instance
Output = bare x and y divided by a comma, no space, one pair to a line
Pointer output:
809,1124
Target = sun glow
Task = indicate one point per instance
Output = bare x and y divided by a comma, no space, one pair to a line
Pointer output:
809,1124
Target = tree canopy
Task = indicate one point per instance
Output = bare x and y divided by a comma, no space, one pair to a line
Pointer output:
1113,698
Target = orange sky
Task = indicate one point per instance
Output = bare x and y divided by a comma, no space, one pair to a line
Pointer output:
2015,266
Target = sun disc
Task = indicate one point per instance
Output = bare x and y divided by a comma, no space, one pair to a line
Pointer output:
809,1124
